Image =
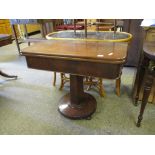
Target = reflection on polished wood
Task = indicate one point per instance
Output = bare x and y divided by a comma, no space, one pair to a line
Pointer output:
82,50
78,58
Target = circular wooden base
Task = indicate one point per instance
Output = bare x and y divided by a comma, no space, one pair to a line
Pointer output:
84,109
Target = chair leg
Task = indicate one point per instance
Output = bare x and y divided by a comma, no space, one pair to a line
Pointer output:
7,76
90,80
118,86
100,85
54,81
62,81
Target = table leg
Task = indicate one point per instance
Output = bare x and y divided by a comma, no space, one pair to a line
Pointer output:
54,81
26,33
74,26
118,86
140,77
77,104
147,89
85,27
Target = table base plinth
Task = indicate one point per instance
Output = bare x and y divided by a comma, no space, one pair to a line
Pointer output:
84,109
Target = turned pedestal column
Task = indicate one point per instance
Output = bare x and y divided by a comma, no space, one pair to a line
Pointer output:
77,104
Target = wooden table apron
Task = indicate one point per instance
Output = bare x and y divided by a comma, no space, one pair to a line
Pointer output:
77,104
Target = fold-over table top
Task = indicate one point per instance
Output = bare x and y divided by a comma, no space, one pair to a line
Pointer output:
79,50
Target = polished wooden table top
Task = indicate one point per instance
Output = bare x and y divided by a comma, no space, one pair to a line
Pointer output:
83,50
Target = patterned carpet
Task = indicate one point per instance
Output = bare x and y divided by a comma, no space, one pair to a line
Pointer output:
29,104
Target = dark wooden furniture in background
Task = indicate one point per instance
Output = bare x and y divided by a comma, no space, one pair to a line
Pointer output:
148,35
133,26
148,66
46,26
14,23
75,57
5,40
105,24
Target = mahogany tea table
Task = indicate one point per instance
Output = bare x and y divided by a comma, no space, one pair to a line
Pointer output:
78,58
